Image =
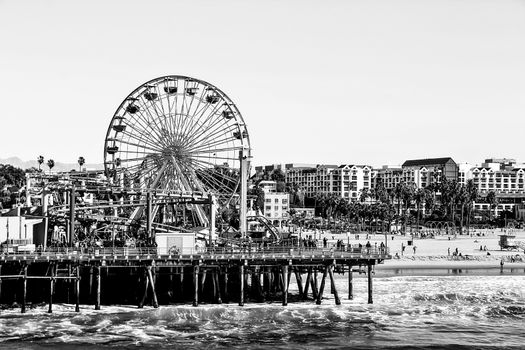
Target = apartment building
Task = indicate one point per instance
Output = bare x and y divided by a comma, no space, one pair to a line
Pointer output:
503,176
346,180
276,204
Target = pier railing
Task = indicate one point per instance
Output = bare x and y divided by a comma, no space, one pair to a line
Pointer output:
269,252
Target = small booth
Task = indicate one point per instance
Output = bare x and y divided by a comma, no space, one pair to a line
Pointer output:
175,243
507,242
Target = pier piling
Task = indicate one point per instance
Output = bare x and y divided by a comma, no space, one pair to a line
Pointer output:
321,289
350,283
77,288
24,290
97,296
241,282
51,287
152,283
286,283
195,285
332,282
370,301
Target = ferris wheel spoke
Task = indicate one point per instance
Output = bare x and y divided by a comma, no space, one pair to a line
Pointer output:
212,182
159,114
214,135
141,139
214,157
139,145
207,133
216,150
212,127
196,128
144,129
149,124
154,122
128,160
222,174
210,145
195,122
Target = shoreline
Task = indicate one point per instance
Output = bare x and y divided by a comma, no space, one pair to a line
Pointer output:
446,262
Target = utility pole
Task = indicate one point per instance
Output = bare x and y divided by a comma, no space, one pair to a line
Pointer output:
244,168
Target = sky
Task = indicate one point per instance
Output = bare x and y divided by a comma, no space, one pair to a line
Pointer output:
329,82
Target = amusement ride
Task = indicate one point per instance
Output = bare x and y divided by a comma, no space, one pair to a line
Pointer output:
176,159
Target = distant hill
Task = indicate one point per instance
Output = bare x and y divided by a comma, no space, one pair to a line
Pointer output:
25,164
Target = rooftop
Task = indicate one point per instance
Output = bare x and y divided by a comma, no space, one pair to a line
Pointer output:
427,161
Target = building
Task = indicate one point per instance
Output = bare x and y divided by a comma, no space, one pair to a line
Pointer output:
505,177
423,172
276,204
346,180
389,176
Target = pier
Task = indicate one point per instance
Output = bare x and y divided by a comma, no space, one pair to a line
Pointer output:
213,276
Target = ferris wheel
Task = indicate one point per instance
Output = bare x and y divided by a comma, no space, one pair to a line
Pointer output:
177,134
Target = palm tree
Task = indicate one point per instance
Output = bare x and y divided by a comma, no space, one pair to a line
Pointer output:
420,196
462,198
493,202
50,164
364,195
81,161
407,197
473,195
40,160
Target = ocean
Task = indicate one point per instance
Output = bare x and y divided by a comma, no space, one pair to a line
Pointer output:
410,311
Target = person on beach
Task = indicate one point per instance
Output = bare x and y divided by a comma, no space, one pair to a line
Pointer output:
448,253
414,248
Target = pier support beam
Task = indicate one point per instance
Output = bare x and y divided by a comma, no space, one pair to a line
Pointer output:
98,279
181,286
24,290
299,280
284,270
77,289
350,283
313,282
51,288
307,284
152,283
195,285
370,301
241,282
226,297
145,278
217,287
321,289
332,282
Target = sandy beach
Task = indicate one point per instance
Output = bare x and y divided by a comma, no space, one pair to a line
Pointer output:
479,250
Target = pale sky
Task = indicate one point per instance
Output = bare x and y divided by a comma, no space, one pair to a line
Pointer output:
373,82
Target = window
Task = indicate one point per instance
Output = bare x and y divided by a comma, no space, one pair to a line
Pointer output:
285,201
276,208
268,207
267,200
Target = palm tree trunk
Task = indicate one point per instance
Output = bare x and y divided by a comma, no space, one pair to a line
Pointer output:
461,223
418,208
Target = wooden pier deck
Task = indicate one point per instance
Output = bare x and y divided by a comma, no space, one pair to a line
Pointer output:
142,275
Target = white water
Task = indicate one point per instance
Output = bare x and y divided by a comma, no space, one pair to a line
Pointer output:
408,311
